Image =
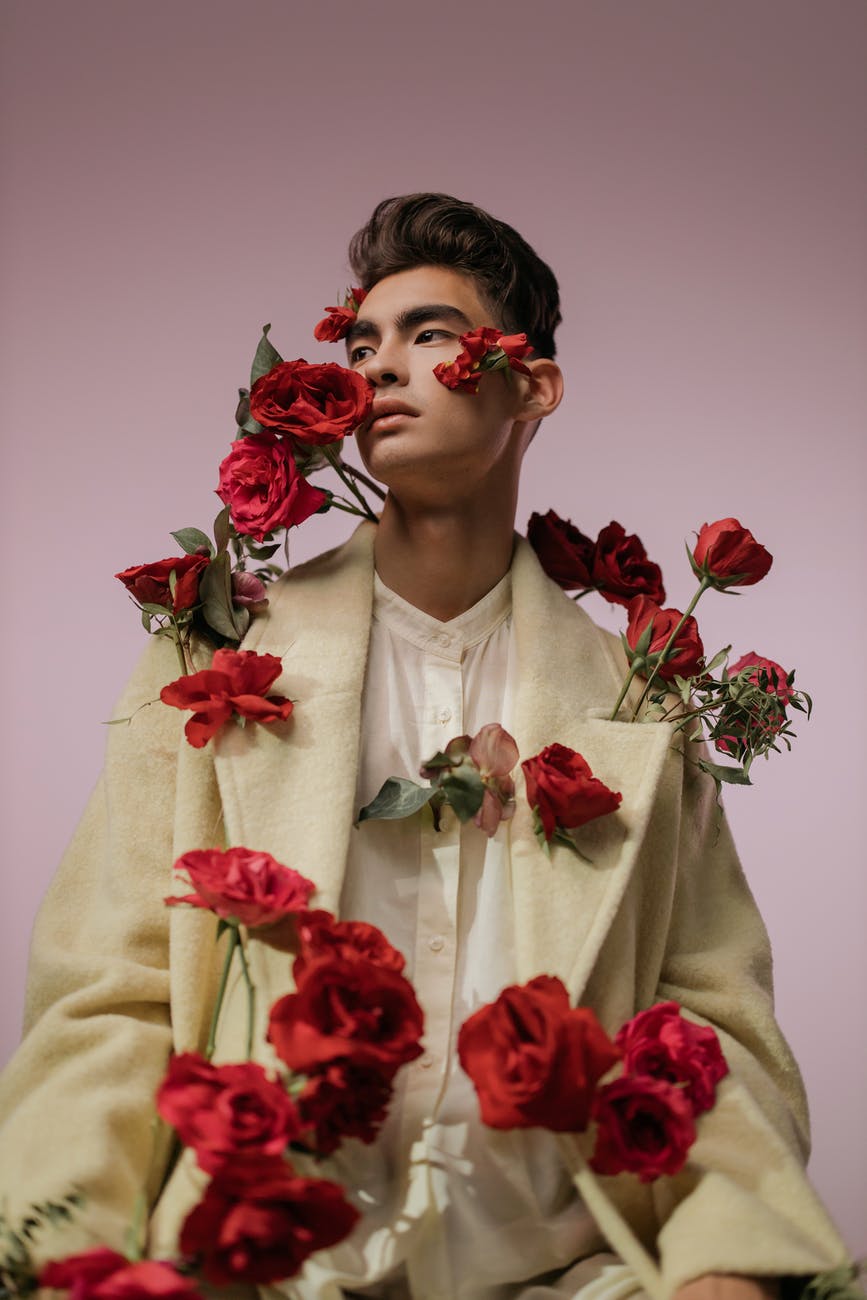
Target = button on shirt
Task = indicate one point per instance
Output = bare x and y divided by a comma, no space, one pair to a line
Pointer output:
450,1208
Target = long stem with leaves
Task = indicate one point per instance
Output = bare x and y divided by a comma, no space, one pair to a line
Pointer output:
663,655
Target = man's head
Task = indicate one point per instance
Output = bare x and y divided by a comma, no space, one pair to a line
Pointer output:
412,230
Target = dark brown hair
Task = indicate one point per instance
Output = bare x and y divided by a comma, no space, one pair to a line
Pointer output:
438,230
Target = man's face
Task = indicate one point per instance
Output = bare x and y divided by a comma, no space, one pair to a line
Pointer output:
443,441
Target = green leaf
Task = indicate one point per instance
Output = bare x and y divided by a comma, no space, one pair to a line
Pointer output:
222,530
190,539
266,358
464,791
262,552
728,775
215,593
155,609
719,658
250,426
146,620
567,839
837,1284
399,797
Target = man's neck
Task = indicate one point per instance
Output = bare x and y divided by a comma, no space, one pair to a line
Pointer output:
443,561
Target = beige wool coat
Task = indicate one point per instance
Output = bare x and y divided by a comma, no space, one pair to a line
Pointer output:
661,910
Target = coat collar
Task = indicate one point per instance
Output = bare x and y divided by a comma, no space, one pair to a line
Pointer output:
291,788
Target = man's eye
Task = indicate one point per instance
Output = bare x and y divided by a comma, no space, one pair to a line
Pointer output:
354,355
427,336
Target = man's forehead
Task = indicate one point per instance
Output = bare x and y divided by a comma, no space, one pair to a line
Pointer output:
423,284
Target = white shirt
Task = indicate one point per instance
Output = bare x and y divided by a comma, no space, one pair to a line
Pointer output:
452,1210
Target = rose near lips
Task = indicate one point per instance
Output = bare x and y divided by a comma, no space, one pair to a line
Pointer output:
349,1019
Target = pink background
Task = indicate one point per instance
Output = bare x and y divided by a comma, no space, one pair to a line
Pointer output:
178,173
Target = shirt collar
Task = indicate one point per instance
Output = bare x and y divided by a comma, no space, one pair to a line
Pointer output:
446,640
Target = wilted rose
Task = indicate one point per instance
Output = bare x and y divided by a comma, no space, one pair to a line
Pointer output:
621,569
645,1126
495,754
226,1111
564,791
235,683
729,555
258,1222
263,487
533,1059
687,652
661,1043
565,553
149,583
249,592
316,404
242,886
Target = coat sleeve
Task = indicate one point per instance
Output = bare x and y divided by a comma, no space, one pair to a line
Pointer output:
76,1101
743,1203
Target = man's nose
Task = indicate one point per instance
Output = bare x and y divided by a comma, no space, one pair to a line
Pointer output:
386,366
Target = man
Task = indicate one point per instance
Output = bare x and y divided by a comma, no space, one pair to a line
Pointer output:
429,625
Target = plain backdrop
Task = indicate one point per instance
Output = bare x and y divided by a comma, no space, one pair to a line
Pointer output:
178,173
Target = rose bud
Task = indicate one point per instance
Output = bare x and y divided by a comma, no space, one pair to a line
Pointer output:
729,555
686,654
249,591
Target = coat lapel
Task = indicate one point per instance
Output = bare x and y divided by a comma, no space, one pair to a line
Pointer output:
568,681
290,788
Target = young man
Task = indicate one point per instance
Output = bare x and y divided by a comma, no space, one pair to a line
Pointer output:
424,627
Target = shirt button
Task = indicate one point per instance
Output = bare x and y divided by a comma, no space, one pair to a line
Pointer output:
435,944
426,1061
444,715
444,639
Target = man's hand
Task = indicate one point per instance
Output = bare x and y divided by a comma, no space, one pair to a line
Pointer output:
728,1286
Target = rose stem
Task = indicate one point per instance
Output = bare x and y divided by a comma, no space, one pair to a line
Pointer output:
336,463
622,696
234,941
251,999
362,478
702,588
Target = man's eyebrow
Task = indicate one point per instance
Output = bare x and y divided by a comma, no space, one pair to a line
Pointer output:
409,319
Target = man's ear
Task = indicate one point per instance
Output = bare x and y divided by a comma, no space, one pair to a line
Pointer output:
544,389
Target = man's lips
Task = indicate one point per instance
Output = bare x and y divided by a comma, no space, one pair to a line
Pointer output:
390,412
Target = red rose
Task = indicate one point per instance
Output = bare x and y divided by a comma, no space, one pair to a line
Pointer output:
102,1274
235,683
621,568
534,1060
346,1009
258,1222
243,886
686,654
564,552
226,1111
336,324
660,1043
645,1127
747,721
729,555
263,488
516,347
149,583
464,372
344,1101
322,936
561,786
316,404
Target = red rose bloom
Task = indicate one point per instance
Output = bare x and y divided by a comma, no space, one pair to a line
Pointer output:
336,324
102,1274
235,683
464,372
263,487
243,886
316,404
258,1222
660,1043
322,936
767,671
687,652
226,1111
346,1009
564,552
728,554
645,1127
149,583
622,570
561,786
344,1101
746,723
534,1060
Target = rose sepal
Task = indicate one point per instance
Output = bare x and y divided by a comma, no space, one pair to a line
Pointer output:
265,358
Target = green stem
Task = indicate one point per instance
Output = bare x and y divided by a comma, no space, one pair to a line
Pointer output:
234,941
610,1221
661,658
338,503
336,463
180,649
362,478
622,696
251,999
